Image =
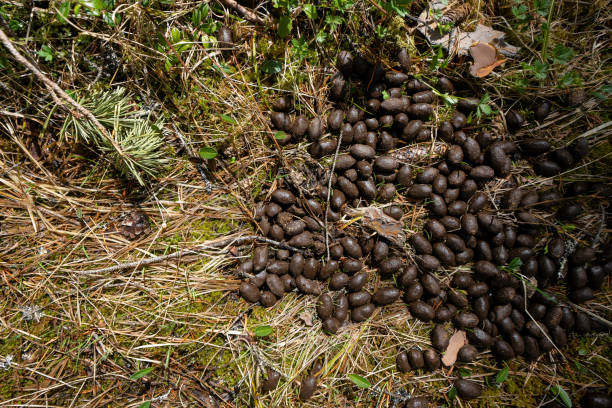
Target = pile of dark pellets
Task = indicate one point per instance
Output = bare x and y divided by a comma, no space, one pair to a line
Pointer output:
501,299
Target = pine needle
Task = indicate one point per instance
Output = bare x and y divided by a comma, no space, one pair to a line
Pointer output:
140,138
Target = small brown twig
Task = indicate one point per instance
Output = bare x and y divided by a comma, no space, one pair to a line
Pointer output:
184,252
245,12
58,94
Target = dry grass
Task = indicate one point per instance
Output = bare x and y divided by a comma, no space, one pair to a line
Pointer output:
75,338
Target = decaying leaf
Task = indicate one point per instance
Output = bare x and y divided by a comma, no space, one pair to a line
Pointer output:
485,59
457,340
374,218
457,41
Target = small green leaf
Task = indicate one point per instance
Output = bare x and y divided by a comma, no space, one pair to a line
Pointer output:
284,26
280,135
146,404
141,373
560,394
502,375
208,153
271,67
452,393
228,119
385,95
46,53
310,10
582,352
359,381
263,331
175,34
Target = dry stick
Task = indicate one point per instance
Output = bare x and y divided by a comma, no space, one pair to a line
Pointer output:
58,94
183,252
245,12
329,185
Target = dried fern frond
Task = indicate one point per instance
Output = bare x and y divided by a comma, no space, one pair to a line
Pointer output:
140,138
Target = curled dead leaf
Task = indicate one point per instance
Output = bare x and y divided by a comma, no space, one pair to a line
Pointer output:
486,59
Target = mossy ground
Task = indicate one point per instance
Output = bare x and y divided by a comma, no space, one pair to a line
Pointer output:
182,319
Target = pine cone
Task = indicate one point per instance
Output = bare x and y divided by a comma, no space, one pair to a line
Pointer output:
135,225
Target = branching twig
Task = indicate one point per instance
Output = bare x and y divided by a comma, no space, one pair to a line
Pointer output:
185,252
58,94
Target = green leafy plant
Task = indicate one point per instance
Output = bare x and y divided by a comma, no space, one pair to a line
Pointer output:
46,53
139,137
483,108
359,381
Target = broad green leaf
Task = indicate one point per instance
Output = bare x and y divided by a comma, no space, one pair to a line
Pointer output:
502,375
452,393
359,381
208,153
228,119
280,135
263,331
141,373
284,26
146,404
310,10
560,394
271,67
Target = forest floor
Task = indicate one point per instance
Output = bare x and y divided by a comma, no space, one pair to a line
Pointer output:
76,332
